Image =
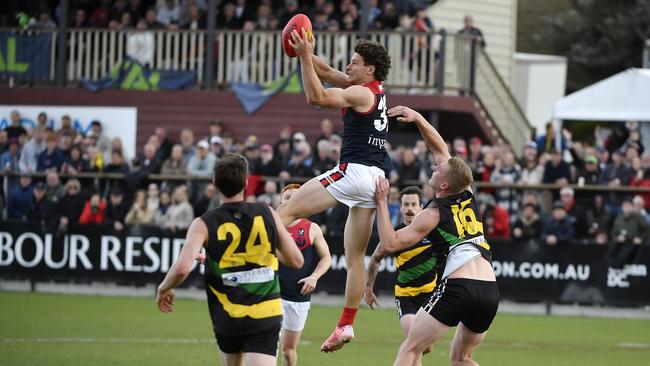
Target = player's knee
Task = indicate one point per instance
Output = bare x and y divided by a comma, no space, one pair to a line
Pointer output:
288,351
414,346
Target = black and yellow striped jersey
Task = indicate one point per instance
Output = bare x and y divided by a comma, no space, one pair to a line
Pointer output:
460,223
416,268
241,274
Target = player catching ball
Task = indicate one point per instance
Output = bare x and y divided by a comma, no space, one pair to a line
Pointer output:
360,95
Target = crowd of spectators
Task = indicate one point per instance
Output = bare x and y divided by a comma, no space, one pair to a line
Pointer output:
511,208
232,14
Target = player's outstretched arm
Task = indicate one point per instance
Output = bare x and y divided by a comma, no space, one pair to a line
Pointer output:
431,136
408,236
287,250
373,267
354,96
329,74
324,264
196,236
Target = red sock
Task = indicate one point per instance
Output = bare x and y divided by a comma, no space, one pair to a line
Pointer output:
347,316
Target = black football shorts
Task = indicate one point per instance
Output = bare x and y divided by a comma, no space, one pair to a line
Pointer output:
265,341
472,302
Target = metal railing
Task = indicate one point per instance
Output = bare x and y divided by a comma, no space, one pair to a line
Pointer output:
93,53
257,57
503,110
422,63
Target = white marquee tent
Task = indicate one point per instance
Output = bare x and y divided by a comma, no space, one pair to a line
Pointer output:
621,97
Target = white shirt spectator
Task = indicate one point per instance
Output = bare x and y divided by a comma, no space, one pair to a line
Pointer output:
139,46
167,14
30,151
202,162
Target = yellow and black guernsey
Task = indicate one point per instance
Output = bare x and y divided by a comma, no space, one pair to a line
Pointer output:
416,269
241,274
459,225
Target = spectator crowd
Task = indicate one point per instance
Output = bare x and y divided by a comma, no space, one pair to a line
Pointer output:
511,207
231,14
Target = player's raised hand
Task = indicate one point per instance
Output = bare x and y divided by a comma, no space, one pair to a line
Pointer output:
381,191
304,45
404,114
370,298
308,284
165,300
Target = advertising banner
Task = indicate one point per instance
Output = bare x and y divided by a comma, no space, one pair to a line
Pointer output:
528,272
25,56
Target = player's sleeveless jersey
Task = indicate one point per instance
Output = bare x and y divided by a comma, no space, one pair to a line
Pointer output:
416,268
241,268
289,277
365,134
459,224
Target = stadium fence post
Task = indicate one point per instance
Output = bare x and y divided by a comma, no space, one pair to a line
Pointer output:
61,43
442,53
472,67
209,51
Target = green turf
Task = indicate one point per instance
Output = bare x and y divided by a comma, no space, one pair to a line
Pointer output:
40,329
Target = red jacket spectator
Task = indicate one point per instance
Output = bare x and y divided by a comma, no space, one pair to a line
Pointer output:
94,211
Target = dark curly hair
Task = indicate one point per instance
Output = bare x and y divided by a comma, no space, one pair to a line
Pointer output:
376,55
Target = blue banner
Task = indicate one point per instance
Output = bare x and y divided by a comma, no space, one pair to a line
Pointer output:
132,75
253,96
26,56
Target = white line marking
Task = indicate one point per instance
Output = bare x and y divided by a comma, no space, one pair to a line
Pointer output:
633,345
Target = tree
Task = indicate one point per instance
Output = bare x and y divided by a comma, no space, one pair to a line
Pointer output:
600,38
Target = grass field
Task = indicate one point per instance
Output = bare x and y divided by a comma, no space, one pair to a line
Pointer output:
43,329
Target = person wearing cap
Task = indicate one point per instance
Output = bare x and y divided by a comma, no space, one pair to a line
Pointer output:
558,228
41,209
20,198
630,230
298,138
216,144
201,164
268,165
116,208
556,170
567,197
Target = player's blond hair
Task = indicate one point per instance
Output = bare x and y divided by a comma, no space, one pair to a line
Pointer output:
459,175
